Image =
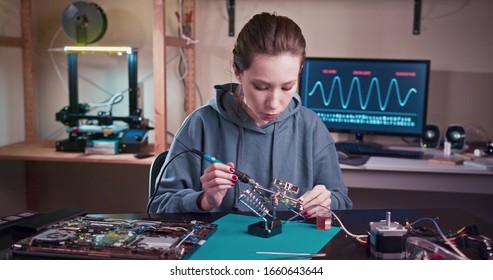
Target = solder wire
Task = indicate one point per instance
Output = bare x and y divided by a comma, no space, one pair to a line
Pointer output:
338,220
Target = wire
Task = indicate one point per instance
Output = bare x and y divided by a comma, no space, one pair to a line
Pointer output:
184,238
55,133
182,77
183,62
362,240
359,238
52,58
338,220
58,65
185,66
160,177
447,14
115,99
442,235
180,17
410,142
180,34
200,94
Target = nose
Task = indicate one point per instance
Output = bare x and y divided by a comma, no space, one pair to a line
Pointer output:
273,100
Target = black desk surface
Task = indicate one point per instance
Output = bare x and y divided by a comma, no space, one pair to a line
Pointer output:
341,247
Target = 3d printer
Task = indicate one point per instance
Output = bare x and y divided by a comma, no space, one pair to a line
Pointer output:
86,23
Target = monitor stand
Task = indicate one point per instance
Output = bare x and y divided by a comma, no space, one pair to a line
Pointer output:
358,137
358,140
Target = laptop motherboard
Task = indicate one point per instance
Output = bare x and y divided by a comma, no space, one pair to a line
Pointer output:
105,238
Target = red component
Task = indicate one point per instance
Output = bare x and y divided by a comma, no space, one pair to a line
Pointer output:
436,256
324,223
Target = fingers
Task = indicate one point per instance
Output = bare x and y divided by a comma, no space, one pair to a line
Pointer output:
313,194
216,180
217,174
315,200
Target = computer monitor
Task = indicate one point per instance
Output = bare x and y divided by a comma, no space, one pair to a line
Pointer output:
367,96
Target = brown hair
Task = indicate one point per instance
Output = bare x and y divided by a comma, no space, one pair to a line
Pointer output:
267,34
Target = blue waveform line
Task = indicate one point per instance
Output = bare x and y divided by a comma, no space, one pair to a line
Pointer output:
363,104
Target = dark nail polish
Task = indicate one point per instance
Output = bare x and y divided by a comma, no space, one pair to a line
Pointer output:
235,178
232,170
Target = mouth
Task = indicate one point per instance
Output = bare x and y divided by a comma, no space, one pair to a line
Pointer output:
271,116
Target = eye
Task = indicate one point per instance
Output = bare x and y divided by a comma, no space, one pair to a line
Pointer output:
257,87
288,87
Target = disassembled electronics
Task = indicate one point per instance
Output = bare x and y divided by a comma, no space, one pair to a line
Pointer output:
105,238
263,202
387,239
419,248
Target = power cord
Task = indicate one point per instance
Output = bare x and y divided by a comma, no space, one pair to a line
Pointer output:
160,177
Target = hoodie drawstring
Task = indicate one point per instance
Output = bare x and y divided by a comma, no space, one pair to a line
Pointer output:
239,149
274,152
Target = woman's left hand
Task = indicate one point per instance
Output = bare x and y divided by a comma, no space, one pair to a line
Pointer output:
312,200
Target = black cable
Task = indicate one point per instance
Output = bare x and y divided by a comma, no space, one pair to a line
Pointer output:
160,177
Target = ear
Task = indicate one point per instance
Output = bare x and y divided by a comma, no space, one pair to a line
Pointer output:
237,73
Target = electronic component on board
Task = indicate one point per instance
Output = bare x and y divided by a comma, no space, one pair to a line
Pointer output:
106,238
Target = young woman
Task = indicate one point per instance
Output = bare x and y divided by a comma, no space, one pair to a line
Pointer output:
259,127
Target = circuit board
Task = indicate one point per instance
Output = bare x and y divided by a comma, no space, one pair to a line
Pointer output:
105,238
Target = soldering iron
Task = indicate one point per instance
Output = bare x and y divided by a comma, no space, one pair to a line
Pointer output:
244,178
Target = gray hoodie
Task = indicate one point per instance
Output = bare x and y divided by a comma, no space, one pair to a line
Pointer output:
296,147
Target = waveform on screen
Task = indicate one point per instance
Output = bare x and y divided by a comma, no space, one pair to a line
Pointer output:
363,103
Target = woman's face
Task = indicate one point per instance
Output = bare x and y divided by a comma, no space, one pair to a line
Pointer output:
269,85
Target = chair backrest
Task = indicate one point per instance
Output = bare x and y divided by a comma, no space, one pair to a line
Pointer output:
156,166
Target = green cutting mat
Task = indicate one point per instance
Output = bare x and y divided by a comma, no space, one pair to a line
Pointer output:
232,242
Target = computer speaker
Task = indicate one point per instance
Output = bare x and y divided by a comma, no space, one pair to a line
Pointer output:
456,135
489,149
431,137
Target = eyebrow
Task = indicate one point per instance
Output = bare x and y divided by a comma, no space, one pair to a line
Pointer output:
267,83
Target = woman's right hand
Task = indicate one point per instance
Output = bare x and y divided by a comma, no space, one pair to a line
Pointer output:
216,181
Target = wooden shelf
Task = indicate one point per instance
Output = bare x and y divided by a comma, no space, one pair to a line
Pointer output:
35,150
11,41
25,42
159,43
45,151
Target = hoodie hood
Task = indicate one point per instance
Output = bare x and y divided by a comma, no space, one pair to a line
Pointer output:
225,104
